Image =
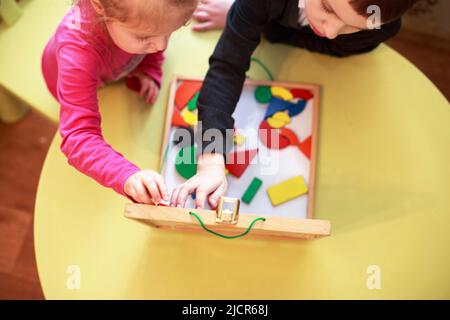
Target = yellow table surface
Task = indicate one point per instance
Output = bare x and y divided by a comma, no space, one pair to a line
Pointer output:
21,48
383,181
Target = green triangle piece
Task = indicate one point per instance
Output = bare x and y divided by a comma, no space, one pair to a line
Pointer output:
192,105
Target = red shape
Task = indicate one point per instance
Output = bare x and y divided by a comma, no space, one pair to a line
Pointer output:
302,94
238,162
291,136
305,147
177,119
185,92
272,138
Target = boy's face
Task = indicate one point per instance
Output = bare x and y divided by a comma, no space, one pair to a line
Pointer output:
331,18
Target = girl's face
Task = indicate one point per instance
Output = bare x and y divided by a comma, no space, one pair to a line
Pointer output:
142,39
331,18
143,35
139,40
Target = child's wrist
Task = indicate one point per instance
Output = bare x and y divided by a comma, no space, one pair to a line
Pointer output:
211,159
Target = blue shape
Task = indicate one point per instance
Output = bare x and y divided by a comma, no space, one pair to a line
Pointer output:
277,105
297,108
193,196
280,105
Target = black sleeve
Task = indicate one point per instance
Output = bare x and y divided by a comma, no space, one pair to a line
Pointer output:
228,65
342,46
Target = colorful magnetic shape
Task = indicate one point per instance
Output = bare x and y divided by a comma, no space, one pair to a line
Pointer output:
177,119
239,139
272,138
238,161
192,105
185,162
291,136
297,108
305,147
189,117
302,94
282,93
263,94
185,92
287,190
277,105
251,191
279,120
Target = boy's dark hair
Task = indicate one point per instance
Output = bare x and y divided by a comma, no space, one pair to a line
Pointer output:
390,9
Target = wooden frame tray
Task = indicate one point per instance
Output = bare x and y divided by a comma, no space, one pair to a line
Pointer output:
274,226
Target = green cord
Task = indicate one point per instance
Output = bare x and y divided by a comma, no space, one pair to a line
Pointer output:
224,236
264,67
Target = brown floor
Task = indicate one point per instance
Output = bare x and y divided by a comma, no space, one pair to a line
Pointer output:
23,147
432,56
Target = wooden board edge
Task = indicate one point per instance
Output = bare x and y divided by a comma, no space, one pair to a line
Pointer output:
180,219
313,156
168,122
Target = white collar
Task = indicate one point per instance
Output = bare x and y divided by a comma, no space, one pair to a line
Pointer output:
302,4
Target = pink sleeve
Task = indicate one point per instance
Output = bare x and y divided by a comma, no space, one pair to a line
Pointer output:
80,121
152,66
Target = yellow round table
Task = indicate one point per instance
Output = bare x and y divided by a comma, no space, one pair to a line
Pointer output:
383,181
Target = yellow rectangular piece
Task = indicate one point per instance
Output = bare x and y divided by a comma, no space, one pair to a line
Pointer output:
287,190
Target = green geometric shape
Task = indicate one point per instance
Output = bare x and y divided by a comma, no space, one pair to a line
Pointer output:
252,190
185,162
263,94
192,105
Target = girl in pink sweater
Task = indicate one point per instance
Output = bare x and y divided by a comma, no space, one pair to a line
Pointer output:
101,41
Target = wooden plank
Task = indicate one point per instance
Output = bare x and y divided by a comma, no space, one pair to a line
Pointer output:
274,227
313,157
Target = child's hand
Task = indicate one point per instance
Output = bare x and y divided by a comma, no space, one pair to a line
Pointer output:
210,181
146,187
149,88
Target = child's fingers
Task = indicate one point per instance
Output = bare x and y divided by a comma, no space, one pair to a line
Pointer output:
144,88
185,190
150,94
140,194
200,198
155,95
161,186
200,16
151,186
173,198
204,26
215,196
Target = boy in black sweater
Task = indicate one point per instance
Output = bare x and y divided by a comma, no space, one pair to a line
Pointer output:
336,27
